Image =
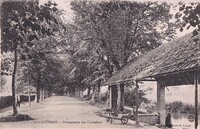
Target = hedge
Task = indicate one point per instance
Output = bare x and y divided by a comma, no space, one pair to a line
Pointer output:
5,101
24,98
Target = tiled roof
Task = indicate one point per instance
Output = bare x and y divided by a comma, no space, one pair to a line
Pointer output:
179,55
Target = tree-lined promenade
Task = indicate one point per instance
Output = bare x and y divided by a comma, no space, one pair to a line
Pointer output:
54,56
65,112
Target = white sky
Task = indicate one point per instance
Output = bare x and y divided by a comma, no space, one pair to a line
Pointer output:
184,93
68,15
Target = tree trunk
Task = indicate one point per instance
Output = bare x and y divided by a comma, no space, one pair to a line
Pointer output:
73,91
120,87
42,93
38,88
69,91
15,112
77,91
81,91
45,94
50,93
116,63
93,94
38,93
127,40
99,86
98,91
88,92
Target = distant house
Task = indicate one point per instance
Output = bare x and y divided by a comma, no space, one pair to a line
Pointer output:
171,64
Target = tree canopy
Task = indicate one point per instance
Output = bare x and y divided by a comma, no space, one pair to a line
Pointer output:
189,16
114,33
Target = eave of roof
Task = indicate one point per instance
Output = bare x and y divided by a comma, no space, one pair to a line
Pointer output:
182,54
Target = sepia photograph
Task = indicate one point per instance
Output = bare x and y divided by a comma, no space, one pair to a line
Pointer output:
100,64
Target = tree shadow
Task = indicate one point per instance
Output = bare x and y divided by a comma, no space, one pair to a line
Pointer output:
16,118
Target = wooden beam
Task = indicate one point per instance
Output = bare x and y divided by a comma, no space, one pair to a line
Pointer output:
118,82
174,72
196,79
110,90
178,79
145,79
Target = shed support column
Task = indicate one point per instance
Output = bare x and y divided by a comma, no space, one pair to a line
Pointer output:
119,98
122,96
110,90
161,101
196,79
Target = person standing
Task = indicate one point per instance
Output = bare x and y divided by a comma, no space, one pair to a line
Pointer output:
168,120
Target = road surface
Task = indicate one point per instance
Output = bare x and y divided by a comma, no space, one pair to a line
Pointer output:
65,112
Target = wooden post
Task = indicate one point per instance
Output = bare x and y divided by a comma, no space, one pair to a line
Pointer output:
137,103
196,99
122,96
161,101
118,97
110,90
114,98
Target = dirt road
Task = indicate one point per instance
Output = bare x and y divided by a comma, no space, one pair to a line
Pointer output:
65,112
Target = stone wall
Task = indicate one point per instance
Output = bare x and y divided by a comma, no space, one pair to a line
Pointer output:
150,119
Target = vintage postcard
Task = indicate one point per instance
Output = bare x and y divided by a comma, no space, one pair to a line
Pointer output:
125,64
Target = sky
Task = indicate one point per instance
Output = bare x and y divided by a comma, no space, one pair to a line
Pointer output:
184,93
65,4
68,13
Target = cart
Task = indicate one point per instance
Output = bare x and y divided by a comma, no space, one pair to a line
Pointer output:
111,116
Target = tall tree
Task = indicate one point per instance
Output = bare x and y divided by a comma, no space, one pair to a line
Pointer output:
22,23
120,31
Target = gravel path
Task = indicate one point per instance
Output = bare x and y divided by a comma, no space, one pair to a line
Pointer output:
64,112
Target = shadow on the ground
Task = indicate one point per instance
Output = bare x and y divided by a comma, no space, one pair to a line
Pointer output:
15,118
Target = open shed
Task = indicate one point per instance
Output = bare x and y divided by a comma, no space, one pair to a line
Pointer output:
171,64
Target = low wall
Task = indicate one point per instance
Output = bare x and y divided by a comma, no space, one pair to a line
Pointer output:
150,119
5,101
